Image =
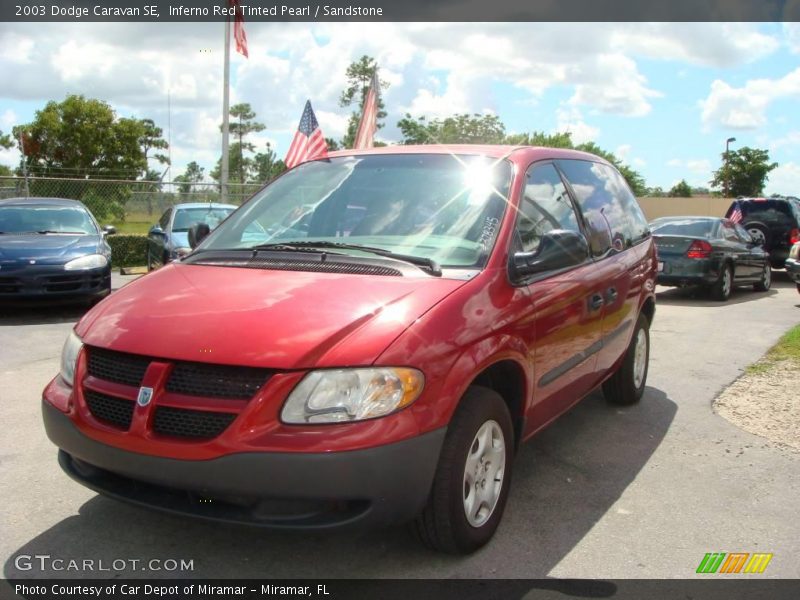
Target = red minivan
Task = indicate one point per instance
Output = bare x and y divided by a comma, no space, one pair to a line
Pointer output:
365,341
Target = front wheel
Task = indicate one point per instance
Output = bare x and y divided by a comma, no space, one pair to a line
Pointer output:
762,285
470,489
626,385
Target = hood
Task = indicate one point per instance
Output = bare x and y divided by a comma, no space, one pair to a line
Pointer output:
248,317
46,248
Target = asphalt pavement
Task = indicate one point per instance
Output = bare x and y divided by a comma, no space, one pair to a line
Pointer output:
605,492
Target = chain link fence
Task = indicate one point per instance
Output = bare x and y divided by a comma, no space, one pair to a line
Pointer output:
131,206
119,200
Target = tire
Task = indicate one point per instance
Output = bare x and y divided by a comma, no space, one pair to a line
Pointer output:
721,290
626,385
443,524
766,279
760,233
149,262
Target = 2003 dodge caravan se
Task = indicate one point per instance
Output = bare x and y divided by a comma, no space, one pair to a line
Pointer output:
365,341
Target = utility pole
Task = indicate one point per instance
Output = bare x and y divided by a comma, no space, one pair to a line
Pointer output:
223,179
727,185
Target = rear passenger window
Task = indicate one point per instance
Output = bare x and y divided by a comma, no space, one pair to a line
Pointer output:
605,198
545,206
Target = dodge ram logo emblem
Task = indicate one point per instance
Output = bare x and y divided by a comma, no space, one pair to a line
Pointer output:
144,397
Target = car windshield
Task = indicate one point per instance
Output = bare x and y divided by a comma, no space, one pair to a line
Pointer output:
44,218
186,217
691,227
441,207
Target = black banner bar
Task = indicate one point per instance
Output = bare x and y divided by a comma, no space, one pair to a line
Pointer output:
398,11
714,588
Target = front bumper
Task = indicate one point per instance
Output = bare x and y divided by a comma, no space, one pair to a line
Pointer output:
377,486
52,281
793,269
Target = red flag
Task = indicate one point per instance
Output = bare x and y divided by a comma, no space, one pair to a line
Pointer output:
308,142
239,36
365,138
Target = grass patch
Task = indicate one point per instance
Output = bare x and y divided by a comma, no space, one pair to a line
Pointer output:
787,348
133,226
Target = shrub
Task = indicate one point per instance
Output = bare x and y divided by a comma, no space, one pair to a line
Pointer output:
128,250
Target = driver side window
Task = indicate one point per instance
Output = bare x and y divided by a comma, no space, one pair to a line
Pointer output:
545,206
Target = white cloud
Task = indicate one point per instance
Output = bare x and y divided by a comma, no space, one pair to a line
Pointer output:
745,107
700,166
785,179
7,120
791,32
571,120
792,138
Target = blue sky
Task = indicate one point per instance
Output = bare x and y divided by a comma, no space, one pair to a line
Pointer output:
663,96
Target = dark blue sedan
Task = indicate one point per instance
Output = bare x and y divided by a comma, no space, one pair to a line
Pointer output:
52,248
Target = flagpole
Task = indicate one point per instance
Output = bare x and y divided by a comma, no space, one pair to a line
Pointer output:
225,110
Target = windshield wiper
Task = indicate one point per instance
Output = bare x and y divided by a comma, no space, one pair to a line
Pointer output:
44,231
428,264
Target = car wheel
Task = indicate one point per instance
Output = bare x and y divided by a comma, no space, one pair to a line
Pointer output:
149,262
766,279
470,488
626,385
722,288
760,233
798,288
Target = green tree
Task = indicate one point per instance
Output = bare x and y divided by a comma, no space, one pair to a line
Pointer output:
267,166
241,125
564,140
359,75
193,175
151,138
82,139
458,129
744,173
655,192
333,145
681,190
5,141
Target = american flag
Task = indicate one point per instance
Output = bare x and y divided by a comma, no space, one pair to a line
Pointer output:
238,28
735,213
308,142
365,138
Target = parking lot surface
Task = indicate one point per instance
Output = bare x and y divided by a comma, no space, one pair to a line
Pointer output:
605,492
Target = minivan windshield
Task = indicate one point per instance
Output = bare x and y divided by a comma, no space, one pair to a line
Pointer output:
442,207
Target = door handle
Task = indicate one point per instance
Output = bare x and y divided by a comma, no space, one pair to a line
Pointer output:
595,302
611,295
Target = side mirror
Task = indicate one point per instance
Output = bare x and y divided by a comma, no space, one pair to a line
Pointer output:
558,249
110,230
197,232
156,230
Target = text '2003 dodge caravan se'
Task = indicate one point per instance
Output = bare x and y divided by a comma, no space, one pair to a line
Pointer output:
366,341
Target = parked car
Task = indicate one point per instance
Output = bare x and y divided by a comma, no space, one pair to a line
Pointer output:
52,248
715,253
774,223
316,380
168,239
793,264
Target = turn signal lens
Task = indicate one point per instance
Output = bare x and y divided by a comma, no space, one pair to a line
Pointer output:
794,236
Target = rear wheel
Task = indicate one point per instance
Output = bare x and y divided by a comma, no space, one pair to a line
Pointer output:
470,489
766,279
722,288
626,385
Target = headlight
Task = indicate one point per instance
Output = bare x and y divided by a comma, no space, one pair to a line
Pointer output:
93,261
69,356
342,395
794,253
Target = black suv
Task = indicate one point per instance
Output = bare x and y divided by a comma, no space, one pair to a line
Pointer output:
773,223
